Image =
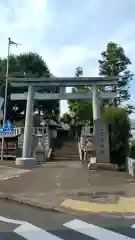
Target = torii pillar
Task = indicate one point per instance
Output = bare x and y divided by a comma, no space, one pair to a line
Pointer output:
95,103
27,157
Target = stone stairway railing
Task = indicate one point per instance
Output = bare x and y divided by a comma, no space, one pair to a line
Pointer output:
37,131
87,132
87,129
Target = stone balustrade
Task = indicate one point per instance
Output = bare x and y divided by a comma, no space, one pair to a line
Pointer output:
37,132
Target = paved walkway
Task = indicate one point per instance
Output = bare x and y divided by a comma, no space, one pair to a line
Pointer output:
71,186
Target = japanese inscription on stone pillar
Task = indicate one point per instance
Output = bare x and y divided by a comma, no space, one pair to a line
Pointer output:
102,142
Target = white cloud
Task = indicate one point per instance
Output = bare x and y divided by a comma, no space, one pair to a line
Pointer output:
68,33
23,21
67,57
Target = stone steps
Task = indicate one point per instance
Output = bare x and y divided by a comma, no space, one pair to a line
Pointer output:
68,152
64,153
65,157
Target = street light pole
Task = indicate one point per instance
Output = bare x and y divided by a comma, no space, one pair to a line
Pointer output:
5,98
6,91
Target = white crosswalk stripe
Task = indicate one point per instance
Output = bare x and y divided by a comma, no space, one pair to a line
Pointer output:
74,229
94,231
133,226
31,232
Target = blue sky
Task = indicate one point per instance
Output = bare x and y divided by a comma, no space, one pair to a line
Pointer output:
68,33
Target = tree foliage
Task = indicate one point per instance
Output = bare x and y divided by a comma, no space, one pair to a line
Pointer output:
114,62
119,123
26,65
80,109
66,118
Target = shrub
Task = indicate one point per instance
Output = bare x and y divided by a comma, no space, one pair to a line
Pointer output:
119,128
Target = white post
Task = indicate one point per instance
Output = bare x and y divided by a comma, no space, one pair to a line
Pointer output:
95,103
27,143
5,99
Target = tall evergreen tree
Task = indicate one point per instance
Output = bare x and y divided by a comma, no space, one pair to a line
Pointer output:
80,109
114,62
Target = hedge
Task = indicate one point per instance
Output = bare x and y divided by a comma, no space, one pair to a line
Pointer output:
119,128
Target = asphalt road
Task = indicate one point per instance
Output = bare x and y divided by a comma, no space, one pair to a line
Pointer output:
23,222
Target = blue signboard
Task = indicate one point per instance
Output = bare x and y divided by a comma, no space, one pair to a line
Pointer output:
7,128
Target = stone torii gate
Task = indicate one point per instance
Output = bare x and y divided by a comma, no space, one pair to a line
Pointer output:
34,84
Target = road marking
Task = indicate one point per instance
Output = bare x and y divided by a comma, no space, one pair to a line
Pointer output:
94,231
133,226
17,173
8,220
6,178
129,217
124,205
29,231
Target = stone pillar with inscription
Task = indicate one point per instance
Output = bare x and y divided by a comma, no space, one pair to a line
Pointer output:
102,142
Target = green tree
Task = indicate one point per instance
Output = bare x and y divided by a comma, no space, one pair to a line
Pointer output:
114,62
79,72
119,122
27,64
80,109
66,118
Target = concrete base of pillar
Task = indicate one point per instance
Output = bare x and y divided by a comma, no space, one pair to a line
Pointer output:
25,161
